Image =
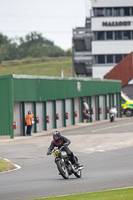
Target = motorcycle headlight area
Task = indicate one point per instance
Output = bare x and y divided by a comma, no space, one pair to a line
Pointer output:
55,153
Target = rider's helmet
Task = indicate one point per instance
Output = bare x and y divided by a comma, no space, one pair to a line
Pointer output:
56,135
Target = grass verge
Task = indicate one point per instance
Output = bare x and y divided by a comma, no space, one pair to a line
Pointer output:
47,68
5,165
121,194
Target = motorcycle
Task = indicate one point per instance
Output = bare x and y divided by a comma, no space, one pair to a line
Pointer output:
86,112
64,165
112,114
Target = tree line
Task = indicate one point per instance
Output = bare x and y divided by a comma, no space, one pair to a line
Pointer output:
33,45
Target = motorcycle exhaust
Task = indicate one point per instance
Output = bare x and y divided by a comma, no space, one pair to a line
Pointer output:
74,170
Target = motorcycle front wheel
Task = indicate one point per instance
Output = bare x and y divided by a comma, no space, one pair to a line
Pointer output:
62,169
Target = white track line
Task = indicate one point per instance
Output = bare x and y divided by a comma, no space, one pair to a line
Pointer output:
110,127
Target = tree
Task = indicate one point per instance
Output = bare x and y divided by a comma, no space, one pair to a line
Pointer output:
4,40
8,49
53,51
35,51
68,52
32,45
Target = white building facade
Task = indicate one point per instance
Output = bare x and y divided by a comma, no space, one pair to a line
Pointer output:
112,27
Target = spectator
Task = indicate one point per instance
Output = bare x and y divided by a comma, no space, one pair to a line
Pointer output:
28,120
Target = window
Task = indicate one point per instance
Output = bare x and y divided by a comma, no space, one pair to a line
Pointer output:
113,35
131,11
88,44
95,35
101,59
100,35
118,58
123,99
112,11
108,11
126,35
79,45
127,11
109,35
98,12
117,11
125,55
118,35
80,68
109,58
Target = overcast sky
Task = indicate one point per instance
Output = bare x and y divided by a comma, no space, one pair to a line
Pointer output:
54,19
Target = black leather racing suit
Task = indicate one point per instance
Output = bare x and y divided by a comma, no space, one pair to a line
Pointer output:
63,141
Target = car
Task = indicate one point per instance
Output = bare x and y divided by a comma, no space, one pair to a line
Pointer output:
127,105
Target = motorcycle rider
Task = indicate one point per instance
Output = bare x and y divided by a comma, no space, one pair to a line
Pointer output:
59,141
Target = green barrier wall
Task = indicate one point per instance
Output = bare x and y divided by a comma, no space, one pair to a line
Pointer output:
38,88
43,89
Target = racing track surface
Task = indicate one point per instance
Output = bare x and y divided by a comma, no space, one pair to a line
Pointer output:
104,168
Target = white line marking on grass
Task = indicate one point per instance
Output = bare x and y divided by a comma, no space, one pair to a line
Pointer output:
16,166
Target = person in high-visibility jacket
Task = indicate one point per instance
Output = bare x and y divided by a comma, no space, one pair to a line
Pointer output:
28,120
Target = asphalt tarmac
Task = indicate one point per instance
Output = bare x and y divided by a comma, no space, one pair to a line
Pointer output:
104,148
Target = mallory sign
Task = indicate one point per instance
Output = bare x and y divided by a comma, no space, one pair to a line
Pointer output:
120,23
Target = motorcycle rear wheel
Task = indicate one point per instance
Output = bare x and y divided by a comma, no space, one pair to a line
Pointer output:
112,119
78,174
62,169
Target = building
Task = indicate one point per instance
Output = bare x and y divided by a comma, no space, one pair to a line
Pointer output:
112,28
112,25
82,50
55,102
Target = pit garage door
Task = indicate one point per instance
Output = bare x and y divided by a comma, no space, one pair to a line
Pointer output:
115,100
17,117
111,100
118,104
108,107
50,113
102,107
93,106
69,111
29,106
40,114
77,103
59,111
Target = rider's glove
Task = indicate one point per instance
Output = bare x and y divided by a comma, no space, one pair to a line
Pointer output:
65,144
48,152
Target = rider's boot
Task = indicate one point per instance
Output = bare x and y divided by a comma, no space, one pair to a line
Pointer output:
75,162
